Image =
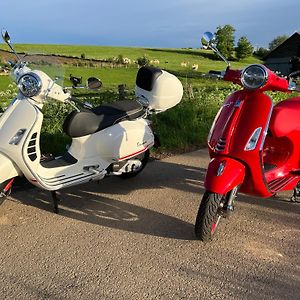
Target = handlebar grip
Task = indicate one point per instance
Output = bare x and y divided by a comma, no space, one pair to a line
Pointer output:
215,74
233,76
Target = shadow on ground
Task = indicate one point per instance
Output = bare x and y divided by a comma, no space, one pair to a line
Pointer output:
100,204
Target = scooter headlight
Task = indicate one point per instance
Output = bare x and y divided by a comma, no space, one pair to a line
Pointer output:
254,77
30,85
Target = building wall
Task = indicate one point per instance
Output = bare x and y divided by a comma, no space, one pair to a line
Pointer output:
281,65
280,59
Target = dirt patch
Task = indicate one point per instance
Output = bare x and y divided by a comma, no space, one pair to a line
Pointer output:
162,153
262,251
59,59
4,220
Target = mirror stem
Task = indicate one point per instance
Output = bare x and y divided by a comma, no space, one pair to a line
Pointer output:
215,49
13,50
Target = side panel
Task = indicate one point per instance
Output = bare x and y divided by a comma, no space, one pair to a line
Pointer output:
223,175
285,118
118,142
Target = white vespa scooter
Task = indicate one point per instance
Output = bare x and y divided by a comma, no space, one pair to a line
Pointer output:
112,139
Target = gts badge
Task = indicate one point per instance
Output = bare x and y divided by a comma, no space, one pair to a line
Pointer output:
141,143
236,104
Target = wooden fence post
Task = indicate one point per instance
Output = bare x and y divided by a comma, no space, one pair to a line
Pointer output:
121,89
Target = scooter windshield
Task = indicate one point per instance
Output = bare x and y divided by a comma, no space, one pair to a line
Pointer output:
51,64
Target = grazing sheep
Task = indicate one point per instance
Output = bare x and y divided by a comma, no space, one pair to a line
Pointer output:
184,64
126,61
195,67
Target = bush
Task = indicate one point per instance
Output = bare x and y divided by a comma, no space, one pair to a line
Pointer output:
261,52
190,120
143,61
120,59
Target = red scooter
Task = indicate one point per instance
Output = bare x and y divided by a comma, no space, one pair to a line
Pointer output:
254,146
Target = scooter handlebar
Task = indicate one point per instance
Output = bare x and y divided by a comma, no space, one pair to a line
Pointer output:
215,74
273,81
227,75
233,76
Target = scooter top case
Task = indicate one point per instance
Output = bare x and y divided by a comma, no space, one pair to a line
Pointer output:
158,89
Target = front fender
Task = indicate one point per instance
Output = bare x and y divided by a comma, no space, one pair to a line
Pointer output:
223,174
8,169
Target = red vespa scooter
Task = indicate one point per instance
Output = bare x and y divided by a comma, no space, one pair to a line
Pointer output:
254,146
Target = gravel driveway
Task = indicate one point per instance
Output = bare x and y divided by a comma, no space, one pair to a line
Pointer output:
134,239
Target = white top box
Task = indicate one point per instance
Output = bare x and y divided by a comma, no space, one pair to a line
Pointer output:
158,89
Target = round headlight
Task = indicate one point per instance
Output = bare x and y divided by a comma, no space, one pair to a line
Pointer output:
254,77
30,85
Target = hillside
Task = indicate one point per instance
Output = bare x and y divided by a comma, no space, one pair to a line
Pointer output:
178,61
168,58
190,119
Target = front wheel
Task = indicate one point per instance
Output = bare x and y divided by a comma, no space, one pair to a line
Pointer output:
209,215
5,189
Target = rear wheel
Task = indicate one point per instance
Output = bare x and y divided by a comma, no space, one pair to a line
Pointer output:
144,158
5,189
209,215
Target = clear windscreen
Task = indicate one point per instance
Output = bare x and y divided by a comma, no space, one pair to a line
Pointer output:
52,65
49,64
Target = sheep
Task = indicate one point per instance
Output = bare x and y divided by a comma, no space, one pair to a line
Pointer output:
126,61
184,64
195,67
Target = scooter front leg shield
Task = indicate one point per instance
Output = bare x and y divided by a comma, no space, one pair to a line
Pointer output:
223,174
8,169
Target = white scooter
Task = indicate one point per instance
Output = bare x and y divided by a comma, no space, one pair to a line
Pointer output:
112,139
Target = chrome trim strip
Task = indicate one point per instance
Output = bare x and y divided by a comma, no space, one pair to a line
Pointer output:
265,132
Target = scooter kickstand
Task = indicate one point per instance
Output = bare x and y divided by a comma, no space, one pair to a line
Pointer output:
55,201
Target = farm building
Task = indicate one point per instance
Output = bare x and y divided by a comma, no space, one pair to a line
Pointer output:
286,57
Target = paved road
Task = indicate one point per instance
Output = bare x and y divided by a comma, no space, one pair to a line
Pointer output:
133,239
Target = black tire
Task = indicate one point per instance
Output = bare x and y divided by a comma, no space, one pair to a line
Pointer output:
144,158
4,191
209,216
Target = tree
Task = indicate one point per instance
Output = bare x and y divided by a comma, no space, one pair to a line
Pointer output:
225,40
277,41
261,52
244,48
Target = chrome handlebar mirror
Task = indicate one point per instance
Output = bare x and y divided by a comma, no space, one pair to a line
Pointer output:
208,40
6,39
5,36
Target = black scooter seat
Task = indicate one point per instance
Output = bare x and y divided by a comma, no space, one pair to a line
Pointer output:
87,122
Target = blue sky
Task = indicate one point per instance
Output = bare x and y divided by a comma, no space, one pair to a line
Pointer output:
146,23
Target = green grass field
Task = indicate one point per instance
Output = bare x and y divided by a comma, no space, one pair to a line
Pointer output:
191,119
168,58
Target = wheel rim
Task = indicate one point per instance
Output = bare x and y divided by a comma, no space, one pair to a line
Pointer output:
215,223
5,192
218,216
